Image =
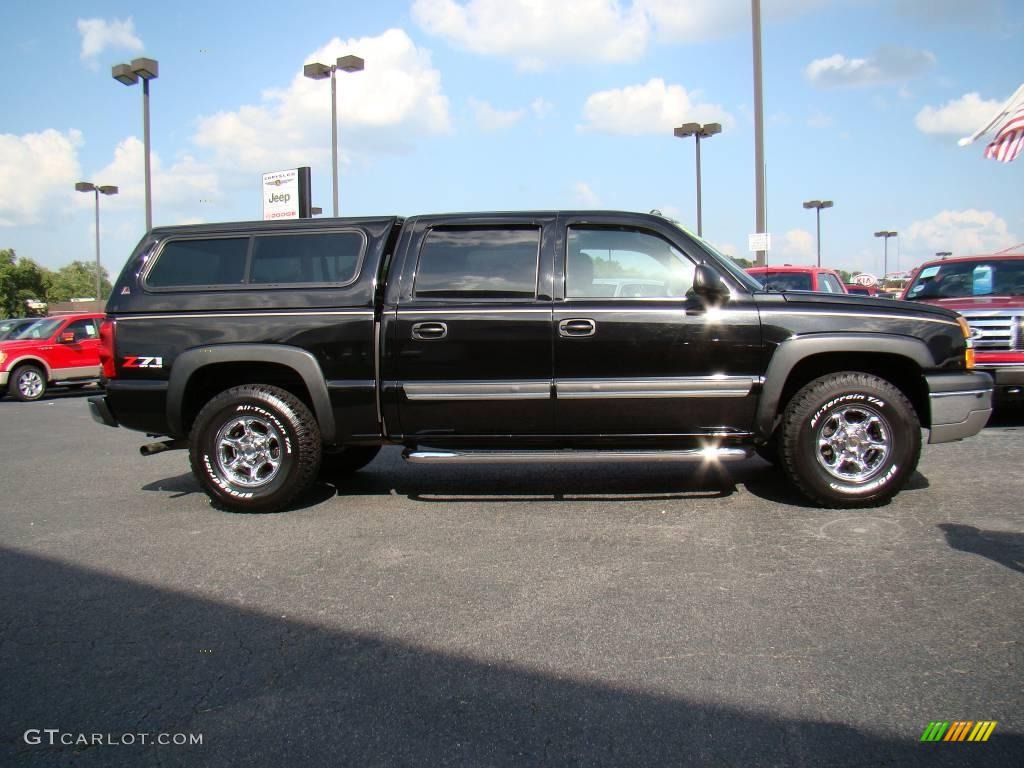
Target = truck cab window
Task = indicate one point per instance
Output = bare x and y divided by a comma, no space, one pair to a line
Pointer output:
491,263
624,264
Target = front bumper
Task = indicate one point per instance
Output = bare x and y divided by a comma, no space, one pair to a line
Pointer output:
4,375
961,404
100,411
1009,380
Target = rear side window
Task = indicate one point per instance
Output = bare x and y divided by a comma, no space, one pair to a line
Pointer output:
492,263
210,261
316,258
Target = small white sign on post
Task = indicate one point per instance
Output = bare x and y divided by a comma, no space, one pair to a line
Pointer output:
761,241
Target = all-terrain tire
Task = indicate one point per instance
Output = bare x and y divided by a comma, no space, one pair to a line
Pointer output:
849,440
255,448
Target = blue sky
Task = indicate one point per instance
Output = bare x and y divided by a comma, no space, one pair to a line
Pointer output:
510,104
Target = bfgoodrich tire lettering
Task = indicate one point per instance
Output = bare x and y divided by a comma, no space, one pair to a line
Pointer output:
254,448
850,440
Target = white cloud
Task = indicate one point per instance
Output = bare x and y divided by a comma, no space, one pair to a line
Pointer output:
38,171
797,247
536,33
957,117
964,233
585,196
100,34
887,64
490,119
177,189
819,119
541,108
397,96
650,108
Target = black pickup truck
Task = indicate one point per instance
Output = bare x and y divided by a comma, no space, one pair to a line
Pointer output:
279,350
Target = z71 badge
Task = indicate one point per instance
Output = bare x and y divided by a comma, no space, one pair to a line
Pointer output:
143,362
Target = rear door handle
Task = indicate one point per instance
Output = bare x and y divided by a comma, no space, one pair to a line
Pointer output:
577,326
428,331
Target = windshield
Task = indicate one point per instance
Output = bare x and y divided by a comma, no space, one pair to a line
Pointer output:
964,279
785,281
40,329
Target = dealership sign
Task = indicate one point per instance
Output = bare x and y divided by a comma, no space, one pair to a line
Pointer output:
286,194
865,279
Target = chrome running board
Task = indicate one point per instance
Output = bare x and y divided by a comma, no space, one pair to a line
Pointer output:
568,456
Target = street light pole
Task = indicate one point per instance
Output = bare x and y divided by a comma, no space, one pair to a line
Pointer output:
817,205
106,189
698,131
130,74
318,71
755,14
885,264
943,254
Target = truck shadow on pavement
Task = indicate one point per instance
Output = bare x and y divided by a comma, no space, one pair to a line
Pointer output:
1003,547
88,652
592,483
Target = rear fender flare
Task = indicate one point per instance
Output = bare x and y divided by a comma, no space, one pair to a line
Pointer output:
188,363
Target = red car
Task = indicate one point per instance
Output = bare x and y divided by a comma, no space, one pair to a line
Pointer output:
786,277
52,351
989,292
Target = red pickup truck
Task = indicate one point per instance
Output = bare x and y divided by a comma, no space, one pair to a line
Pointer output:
52,351
989,292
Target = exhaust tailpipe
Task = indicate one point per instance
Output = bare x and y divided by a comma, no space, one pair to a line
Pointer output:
164,445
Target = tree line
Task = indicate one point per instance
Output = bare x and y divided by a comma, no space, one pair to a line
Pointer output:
22,280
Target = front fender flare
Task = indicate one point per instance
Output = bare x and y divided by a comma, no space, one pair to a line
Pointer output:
793,350
299,360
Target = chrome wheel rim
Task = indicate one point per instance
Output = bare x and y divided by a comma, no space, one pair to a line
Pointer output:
853,443
30,384
249,451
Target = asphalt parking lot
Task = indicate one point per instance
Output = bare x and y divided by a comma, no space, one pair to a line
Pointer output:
597,615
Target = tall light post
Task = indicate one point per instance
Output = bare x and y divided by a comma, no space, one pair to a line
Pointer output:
699,132
318,71
106,189
885,264
130,74
761,207
817,205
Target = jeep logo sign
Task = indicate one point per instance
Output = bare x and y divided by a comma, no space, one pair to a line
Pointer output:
286,194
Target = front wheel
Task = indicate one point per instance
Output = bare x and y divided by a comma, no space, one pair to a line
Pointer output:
255,448
850,440
28,383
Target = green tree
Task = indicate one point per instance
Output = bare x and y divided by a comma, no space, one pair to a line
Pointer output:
20,280
76,280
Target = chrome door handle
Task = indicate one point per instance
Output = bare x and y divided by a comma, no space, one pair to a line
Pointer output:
428,331
577,326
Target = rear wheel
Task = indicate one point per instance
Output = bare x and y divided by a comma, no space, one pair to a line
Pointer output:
849,440
255,448
28,383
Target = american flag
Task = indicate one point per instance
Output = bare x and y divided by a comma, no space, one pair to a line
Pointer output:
1008,124
1009,140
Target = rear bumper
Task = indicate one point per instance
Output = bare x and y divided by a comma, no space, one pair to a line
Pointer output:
100,411
961,404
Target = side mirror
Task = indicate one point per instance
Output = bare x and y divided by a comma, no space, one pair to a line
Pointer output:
67,338
708,285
